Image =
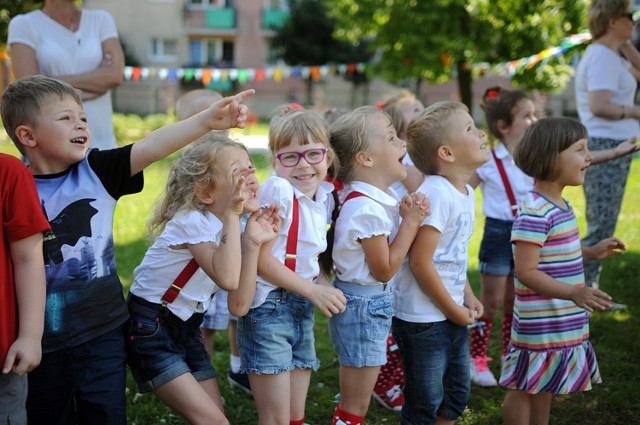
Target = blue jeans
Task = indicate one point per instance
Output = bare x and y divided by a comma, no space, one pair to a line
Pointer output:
496,252
162,346
277,336
436,365
81,385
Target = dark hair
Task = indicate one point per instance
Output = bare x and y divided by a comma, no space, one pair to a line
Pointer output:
539,149
498,104
23,99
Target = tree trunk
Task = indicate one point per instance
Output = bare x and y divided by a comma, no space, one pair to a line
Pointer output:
464,84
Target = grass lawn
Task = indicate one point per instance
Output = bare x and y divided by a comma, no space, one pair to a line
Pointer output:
611,332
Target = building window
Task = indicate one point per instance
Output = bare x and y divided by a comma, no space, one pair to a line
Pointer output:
163,49
208,3
213,52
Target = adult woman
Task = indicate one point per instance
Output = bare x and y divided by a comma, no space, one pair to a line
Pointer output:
78,46
606,82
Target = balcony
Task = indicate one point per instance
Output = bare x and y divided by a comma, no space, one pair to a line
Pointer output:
274,18
221,18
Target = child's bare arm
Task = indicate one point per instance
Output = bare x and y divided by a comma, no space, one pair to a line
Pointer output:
260,231
603,249
226,113
526,259
627,147
28,266
472,302
423,268
383,259
328,299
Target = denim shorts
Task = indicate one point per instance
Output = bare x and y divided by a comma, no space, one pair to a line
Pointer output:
217,316
162,347
278,336
496,252
359,334
436,364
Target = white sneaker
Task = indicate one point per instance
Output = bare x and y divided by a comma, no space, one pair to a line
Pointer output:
480,373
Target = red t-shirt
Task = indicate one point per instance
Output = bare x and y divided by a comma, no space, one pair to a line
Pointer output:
21,216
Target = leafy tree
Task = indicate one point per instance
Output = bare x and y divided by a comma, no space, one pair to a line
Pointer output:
307,38
9,9
436,40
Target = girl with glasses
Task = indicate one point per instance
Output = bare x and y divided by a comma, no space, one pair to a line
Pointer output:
276,338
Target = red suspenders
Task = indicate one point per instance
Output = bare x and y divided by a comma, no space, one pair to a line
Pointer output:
507,185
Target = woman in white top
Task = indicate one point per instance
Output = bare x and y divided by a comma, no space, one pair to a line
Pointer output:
606,82
75,45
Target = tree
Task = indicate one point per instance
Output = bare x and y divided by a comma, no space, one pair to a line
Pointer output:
9,9
436,40
307,39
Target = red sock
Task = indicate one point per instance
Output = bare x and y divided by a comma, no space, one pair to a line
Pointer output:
394,358
507,318
298,422
340,417
480,338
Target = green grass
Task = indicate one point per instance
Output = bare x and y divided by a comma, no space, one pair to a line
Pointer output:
612,334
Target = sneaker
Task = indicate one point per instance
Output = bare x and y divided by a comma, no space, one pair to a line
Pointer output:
392,399
480,373
240,380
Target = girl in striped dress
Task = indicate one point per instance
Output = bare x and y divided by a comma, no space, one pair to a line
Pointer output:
550,352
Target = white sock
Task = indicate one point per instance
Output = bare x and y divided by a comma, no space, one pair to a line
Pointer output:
234,363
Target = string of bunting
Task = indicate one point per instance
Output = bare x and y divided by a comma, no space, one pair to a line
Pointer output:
279,73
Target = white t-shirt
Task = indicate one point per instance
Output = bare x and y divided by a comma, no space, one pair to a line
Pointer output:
362,217
495,202
62,52
162,264
603,69
452,214
313,217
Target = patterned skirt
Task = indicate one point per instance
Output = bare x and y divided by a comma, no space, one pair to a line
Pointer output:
561,371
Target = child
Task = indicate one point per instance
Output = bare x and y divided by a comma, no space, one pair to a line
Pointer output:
508,113
22,286
217,316
434,302
209,187
402,108
82,373
370,245
276,335
550,350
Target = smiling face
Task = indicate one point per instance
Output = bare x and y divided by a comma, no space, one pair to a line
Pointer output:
229,165
467,142
304,176
60,137
524,114
573,163
385,151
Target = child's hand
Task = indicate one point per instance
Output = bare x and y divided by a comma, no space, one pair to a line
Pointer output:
414,207
461,316
262,226
328,299
240,192
229,112
23,356
606,248
590,298
476,307
626,147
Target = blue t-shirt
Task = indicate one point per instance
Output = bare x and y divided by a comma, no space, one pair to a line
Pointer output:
84,292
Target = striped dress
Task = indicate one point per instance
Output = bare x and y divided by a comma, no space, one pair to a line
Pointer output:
550,349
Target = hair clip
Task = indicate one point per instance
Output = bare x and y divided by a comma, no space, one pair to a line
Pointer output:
296,106
492,94
379,105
